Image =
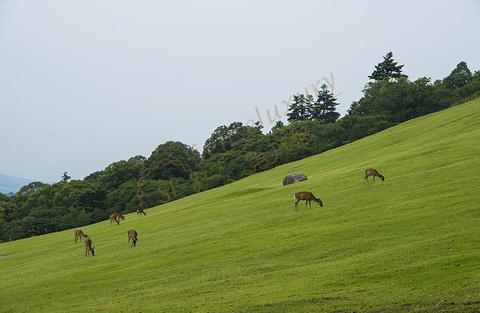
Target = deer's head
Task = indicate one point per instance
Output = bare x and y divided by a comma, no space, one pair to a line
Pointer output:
382,177
320,203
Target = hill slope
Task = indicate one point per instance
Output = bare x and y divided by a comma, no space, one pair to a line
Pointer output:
410,243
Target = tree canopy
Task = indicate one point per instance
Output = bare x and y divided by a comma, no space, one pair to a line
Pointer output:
459,77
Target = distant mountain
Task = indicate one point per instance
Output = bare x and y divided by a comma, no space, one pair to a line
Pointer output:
12,184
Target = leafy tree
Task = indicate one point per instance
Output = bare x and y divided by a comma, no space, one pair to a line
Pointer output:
387,69
159,191
298,110
138,159
3,205
94,176
324,108
124,197
31,187
172,159
459,77
119,172
224,138
216,180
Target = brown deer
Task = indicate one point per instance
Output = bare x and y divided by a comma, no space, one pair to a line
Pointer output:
141,211
79,234
115,217
372,172
308,197
89,249
133,237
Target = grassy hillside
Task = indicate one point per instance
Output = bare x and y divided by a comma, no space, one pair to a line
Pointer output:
411,243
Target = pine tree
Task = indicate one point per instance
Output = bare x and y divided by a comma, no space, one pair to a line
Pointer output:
323,109
298,110
388,69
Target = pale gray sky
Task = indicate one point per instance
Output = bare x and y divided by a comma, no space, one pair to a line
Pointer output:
86,83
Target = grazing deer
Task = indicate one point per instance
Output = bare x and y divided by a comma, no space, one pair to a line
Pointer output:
308,197
372,172
79,234
133,237
141,211
115,217
89,249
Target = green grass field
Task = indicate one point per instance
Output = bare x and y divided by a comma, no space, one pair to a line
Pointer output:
409,244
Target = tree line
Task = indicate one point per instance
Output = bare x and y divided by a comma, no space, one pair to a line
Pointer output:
175,170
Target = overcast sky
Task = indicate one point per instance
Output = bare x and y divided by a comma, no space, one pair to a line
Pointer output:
86,83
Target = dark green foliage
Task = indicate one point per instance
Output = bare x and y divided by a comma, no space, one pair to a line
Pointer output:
119,172
388,69
298,110
225,137
124,197
29,188
278,125
172,159
306,107
258,125
459,77
324,108
216,180
175,170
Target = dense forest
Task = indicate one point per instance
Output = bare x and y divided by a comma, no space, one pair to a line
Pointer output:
175,170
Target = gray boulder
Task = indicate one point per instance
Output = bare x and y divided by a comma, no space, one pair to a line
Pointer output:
293,178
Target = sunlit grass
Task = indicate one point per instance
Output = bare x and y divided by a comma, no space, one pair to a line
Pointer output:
410,243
